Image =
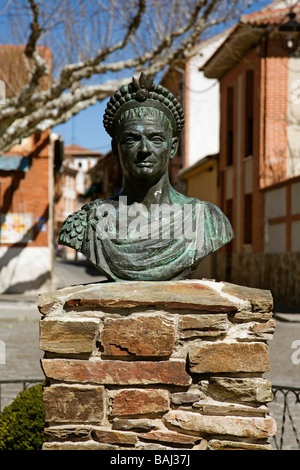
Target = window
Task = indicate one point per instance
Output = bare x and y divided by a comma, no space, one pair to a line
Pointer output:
229,121
249,113
248,219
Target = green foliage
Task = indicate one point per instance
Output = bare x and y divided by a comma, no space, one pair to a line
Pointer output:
22,422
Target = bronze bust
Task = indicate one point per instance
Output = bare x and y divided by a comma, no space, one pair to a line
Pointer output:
148,231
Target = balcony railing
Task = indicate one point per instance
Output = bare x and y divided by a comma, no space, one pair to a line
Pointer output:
287,400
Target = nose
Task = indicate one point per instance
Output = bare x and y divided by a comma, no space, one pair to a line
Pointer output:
144,147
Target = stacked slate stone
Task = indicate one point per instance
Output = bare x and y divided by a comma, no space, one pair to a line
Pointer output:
157,365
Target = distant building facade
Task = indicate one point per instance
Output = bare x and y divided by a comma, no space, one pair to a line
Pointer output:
26,192
105,178
72,182
259,163
26,222
81,160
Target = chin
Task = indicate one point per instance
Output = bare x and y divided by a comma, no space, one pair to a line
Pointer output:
145,173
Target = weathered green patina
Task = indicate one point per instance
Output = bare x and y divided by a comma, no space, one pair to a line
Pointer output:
148,231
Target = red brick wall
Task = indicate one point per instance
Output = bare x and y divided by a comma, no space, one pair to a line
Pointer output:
269,134
27,192
274,102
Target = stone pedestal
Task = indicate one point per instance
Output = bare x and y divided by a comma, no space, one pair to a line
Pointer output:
157,365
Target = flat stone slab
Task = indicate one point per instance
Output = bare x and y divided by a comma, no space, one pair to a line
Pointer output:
68,337
73,404
260,299
201,295
116,372
138,402
139,337
214,357
259,428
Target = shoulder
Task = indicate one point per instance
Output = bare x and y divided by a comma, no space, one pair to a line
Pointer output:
211,208
217,221
91,205
73,228
208,207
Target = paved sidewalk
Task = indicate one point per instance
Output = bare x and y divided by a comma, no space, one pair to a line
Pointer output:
287,317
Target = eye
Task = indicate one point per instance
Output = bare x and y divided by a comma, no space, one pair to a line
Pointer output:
157,139
129,140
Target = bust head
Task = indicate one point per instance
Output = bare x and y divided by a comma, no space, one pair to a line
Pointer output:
144,121
143,143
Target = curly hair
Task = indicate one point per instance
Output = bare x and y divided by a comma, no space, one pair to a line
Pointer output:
143,94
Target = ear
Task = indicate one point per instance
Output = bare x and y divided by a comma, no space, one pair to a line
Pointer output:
114,148
174,147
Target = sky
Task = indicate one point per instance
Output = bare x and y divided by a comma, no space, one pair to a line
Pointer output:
86,129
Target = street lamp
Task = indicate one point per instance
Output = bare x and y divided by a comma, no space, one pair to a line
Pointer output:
290,33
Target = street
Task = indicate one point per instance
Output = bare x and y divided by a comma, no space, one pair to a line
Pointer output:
19,332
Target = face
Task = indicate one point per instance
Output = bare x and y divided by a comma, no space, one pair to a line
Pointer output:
144,147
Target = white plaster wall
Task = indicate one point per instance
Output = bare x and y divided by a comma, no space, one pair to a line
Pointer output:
24,269
83,165
80,179
70,204
69,192
293,129
203,105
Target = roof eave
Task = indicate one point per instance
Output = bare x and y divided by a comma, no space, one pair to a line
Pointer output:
198,164
232,50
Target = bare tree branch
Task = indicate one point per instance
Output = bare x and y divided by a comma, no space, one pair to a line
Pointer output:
40,67
131,44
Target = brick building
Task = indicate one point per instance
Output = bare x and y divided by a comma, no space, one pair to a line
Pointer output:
26,222
26,184
259,163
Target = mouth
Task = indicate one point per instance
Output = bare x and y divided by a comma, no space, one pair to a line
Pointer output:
144,164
